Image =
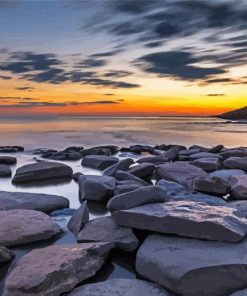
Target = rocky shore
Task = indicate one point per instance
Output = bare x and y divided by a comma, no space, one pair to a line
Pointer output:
179,212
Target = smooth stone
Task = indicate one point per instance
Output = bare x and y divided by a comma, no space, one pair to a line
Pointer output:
124,176
239,188
43,170
142,171
5,256
171,188
119,189
233,153
63,155
200,148
172,153
141,148
79,219
104,229
5,171
153,159
122,165
186,218
120,287
7,160
25,226
11,149
204,155
240,206
56,269
236,163
216,149
208,164
32,201
76,176
210,185
96,188
96,151
227,175
99,162
192,267
182,173
188,152
138,197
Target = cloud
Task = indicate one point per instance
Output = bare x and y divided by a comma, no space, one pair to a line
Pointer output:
177,64
110,83
92,63
117,73
4,77
215,95
29,88
106,54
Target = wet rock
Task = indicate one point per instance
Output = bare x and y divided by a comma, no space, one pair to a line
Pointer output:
25,226
62,155
240,206
138,197
104,229
7,160
43,170
76,176
11,149
188,152
185,218
227,176
119,189
211,185
97,151
233,153
182,173
96,188
200,148
239,187
153,159
79,219
191,267
5,171
32,201
170,188
56,269
236,163
143,170
99,162
204,155
120,287
141,149
172,153
74,148
126,176
216,149
208,164
6,255
122,165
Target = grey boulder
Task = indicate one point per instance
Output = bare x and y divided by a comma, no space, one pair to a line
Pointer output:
5,171
236,163
208,164
239,188
186,218
43,170
25,226
227,175
99,162
56,269
191,267
122,165
204,155
79,218
143,170
104,229
126,176
120,287
210,185
7,160
32,201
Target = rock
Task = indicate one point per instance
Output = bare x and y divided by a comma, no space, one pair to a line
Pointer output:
104,229
240,206
122,165
96,188
227,175
63,212
11,149
79,219
5,171
62,155
99,162
96,151
239,188
143,170
216,149
120,287
200,148
170,188
138,197
182,173
42,170
119,189
74,148
25,226
7,160
204,155
153,159
6,255
233,153
124,176
172,153
191,267
188,152
56,269
32,201
240,293
140,149
236,163
76,176
185,218
210,185
208,164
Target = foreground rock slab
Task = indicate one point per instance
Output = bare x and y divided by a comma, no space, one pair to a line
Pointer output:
186,218
32,201
56,269
104,229
191,267
25,226
120,287
42,170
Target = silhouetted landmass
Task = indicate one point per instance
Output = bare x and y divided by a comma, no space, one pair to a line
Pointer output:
239,114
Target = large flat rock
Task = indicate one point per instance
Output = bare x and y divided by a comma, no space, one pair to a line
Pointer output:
55,270
186,218
43,170
32,201
104,229
191,267
120,287
25,226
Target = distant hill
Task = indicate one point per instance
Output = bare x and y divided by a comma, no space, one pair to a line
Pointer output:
239,114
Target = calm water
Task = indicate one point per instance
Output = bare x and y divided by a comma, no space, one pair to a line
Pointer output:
64,132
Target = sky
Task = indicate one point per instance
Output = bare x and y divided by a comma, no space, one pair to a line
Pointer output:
122,57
